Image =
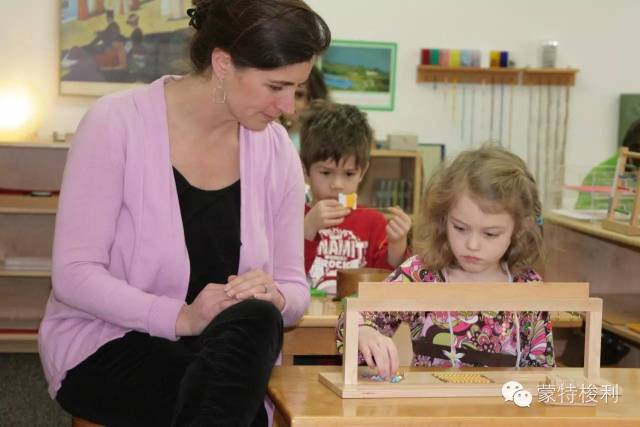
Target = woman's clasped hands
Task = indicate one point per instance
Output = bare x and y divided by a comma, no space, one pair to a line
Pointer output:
215,298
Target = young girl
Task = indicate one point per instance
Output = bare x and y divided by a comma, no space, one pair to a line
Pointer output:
480,223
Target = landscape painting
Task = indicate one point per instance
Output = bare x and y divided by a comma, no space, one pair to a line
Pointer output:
361,73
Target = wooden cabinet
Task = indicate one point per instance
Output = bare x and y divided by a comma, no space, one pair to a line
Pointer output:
27,225
26,233
388,167
582,251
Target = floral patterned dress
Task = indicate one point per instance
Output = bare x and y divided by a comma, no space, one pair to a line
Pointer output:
465,338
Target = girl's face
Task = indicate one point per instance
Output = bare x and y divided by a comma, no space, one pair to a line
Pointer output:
257,97
478,239
301,101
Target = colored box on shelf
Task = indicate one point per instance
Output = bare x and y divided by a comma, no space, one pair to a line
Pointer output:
476,58
434,57
465,58
401,141
425,57
504,59
444,57
454,58
494,59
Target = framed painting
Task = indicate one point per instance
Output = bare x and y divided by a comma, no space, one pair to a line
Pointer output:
109,45
361,73
629,113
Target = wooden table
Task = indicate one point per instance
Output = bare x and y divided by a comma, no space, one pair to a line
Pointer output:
315,334
301,400
582,251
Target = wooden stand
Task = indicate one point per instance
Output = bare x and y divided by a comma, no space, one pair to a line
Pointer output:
473,297
632,228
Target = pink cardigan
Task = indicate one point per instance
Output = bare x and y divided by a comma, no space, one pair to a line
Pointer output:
120,262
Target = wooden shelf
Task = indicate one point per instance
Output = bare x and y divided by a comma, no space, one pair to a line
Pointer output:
549,76
19,342
618,310
622,331
35,144
509,76
392,165
437,74
11,204
24,273
26,231
592,228
22,303
395,153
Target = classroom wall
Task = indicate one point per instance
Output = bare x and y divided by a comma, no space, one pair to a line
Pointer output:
595,36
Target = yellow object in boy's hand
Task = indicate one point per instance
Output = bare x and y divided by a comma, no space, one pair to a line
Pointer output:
348,200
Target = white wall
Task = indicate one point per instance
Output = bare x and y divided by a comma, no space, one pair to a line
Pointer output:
595,36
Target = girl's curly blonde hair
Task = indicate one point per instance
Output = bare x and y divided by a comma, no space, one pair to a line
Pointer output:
498,181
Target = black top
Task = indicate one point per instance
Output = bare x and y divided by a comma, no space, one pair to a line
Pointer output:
211,221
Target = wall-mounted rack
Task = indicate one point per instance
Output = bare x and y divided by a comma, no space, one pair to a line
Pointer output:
508,76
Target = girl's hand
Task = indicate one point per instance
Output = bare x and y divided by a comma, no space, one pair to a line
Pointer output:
193,318
398,226
324,214
379,351
255,284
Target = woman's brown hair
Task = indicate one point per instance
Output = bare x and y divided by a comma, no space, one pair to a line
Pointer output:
498,181
263,34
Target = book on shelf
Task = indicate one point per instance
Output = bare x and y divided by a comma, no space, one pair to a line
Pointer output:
393,192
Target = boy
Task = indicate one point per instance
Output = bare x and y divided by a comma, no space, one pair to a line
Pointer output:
335,141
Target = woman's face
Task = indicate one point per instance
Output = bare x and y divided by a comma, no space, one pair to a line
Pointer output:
257,97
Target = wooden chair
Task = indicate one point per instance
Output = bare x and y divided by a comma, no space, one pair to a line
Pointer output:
471,297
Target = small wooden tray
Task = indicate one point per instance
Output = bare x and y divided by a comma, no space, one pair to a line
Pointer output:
431,383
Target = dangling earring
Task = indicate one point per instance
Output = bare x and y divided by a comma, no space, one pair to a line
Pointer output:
219,94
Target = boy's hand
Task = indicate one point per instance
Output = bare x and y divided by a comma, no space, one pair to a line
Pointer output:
399,225
378,351
326,213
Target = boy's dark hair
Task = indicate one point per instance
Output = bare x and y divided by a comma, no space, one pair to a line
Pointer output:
263,34
334,131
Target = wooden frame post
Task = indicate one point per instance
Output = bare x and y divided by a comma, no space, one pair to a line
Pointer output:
633,227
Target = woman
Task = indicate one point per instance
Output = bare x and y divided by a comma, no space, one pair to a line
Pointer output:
171,279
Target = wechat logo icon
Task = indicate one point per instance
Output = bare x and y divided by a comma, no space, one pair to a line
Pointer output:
514,391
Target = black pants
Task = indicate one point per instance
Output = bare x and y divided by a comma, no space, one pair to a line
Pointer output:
217,379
